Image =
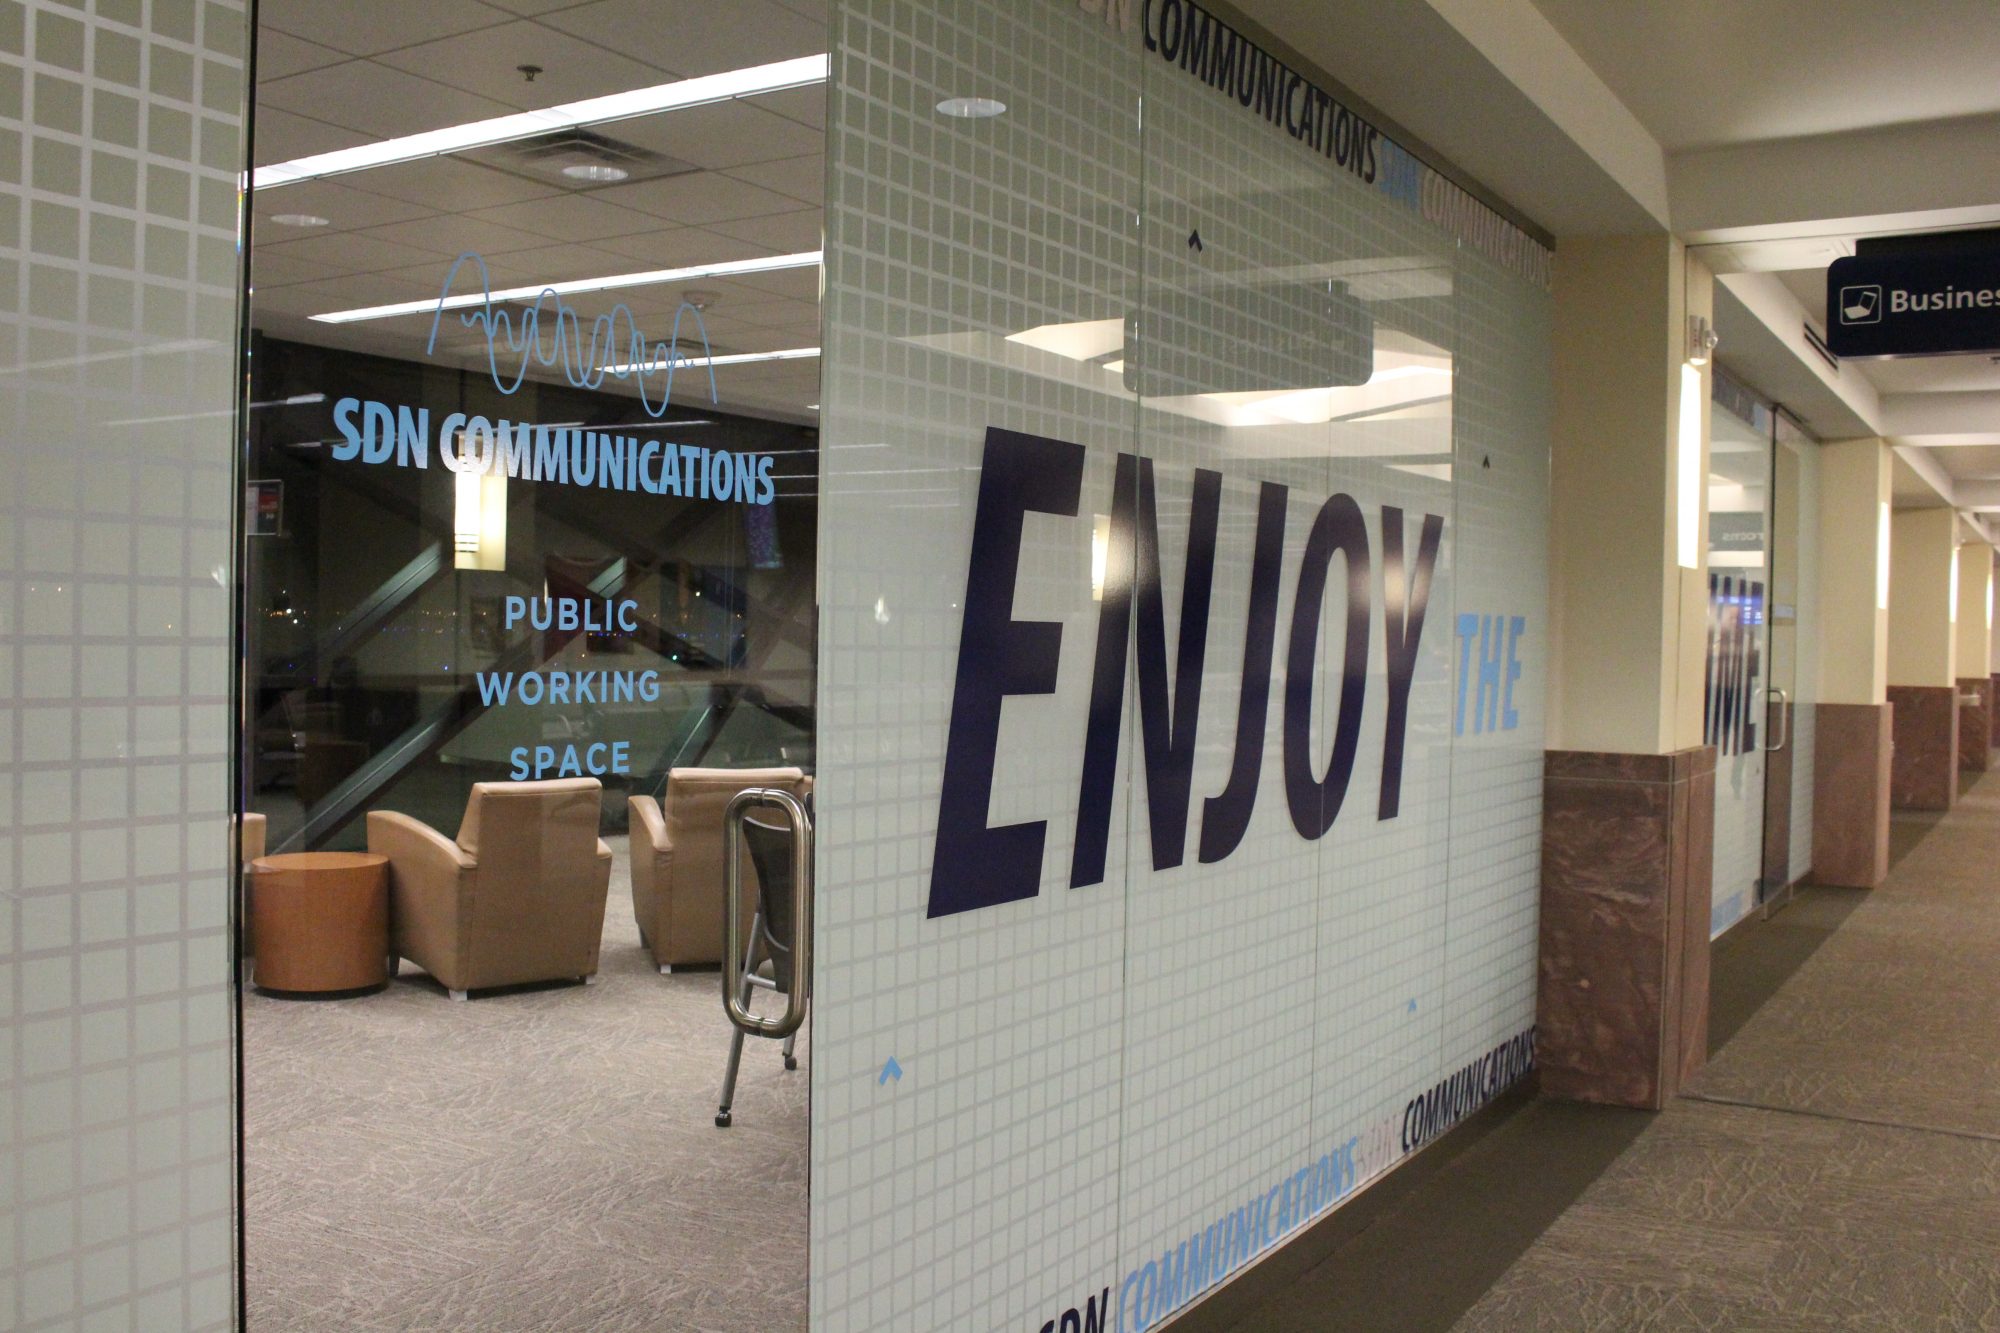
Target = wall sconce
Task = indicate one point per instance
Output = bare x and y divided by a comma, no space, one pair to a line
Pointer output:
1701,340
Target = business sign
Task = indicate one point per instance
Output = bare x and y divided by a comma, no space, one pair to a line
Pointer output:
1926,305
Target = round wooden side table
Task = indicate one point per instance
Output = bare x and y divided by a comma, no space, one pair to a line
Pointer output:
320,921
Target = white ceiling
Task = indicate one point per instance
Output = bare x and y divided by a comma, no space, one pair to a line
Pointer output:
339,73
1705,73
1819,123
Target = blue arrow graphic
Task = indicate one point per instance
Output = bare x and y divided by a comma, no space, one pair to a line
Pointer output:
890,1069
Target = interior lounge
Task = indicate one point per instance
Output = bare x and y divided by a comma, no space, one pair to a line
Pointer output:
528,602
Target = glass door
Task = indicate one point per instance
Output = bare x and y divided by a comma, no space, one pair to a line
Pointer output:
1737,684
1789,698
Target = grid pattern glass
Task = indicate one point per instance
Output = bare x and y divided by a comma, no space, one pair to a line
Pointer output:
121,134
1092,1077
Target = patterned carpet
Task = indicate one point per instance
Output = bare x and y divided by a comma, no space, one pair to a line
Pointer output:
532,1160
1837,1166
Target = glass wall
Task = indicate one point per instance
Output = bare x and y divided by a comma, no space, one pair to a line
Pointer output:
1734,714
1181,757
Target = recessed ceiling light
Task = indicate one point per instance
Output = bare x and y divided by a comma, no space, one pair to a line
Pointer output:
708,88
972,108
597,173
300,220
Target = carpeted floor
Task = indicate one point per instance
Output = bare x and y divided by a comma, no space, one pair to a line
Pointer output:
530,1160
1837,1166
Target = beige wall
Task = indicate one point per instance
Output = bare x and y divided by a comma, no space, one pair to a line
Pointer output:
1629,625
1922,647
1854,629
1975,589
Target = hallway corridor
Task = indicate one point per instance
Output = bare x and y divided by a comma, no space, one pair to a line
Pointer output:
1837,1166
1838,1163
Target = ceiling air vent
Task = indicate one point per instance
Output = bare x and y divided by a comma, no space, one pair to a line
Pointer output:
577,159
1817,341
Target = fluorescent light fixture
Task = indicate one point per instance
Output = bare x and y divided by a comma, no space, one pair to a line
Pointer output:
729,359
1882,557
296,400
614,282
301,220
745,358
1689,470
708,88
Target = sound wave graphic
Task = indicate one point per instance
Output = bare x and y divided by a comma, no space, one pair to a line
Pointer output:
617,348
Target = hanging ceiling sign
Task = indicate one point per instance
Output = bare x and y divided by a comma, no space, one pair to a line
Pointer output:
1913,305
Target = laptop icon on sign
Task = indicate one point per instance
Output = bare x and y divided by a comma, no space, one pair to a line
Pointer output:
1860,305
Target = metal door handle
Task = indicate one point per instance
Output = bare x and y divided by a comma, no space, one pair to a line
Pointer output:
1785,711
733,953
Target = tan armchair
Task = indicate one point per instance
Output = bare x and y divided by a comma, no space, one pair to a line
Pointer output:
677,860
517,897
251,832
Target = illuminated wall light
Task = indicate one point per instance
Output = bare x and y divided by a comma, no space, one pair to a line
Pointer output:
1100,554
1951,607
723,87
479,522
1690,472
1882,557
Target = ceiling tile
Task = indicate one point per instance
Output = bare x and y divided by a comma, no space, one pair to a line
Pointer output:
282,136
314,298
699,197
723,134
364,27
799,284
269,269
280,54
344,207
533,7
803,177
807,106
680,248
356,252
571,217
692,37
455,234
364,95
449,185
784,233
487,62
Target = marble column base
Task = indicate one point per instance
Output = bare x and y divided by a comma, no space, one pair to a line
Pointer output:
1851,749
1975,724
1924,772
1628,850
